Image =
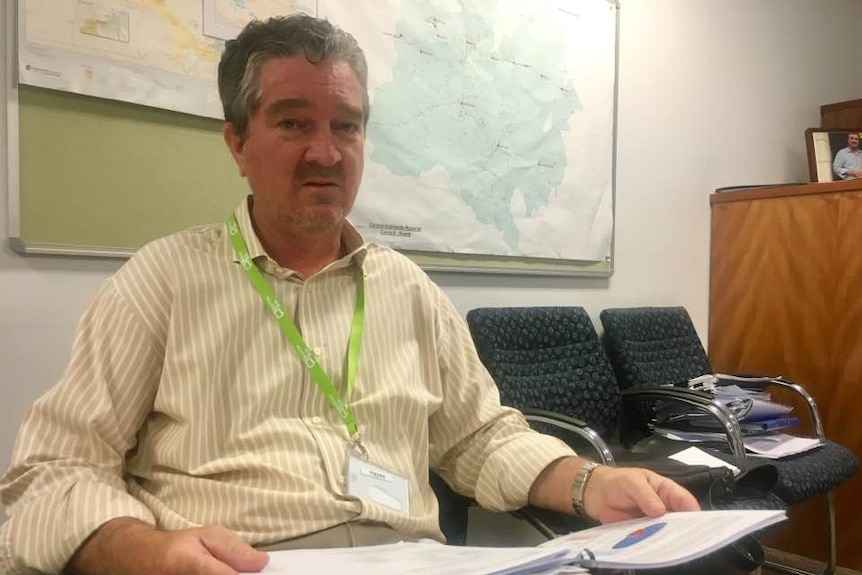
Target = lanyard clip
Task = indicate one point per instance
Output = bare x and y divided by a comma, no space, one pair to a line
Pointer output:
356,441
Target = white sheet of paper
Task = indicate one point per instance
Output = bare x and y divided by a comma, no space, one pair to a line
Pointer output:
426,558
777,445
695,456
667,540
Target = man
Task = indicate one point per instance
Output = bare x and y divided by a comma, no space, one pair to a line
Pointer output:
274,381
848,161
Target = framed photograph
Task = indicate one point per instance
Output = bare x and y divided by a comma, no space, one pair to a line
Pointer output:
833,154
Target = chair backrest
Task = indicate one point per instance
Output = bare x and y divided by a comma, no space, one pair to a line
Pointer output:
548,358
651,346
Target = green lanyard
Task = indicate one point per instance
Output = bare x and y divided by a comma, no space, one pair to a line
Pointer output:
288,328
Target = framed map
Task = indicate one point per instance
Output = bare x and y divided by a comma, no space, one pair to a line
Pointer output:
492,129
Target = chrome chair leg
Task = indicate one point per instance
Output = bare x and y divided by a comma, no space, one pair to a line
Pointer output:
832,559
833,538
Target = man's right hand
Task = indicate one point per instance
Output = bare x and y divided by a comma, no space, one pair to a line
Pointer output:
126,546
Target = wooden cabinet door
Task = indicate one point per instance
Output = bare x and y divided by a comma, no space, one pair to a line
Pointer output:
786,299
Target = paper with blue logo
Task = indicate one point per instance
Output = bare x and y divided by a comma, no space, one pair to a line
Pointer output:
671,539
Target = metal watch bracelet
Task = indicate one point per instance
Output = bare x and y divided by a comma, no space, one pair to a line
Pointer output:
579,486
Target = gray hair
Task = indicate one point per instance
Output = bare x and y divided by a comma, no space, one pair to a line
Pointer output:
281,37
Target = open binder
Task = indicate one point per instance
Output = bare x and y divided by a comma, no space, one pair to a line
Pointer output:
665,541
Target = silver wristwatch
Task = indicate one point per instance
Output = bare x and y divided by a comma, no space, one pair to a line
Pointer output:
579,486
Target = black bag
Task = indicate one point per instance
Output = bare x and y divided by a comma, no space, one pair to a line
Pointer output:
756,479
707,484
711,486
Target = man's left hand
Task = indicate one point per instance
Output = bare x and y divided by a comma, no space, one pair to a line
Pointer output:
611,493
614,494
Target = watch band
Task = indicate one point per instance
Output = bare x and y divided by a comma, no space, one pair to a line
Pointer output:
579,486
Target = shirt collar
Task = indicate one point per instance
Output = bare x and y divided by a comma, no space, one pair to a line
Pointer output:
352,242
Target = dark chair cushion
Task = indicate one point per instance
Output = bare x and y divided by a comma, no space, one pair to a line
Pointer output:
809,474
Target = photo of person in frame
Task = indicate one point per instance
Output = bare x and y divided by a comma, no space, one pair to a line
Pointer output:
847,162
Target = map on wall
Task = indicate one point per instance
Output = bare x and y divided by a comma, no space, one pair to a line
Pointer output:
491,130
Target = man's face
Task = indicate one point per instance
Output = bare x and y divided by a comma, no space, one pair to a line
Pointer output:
303,153
853,141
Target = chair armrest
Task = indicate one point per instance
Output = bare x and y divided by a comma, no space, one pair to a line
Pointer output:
575,426
812,405
761,382
699,400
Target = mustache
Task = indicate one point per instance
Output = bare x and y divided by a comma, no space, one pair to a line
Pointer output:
308,170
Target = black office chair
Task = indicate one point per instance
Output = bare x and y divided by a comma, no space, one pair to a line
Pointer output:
655,346
454,511
549,363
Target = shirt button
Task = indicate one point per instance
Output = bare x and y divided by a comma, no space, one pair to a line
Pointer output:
318,351
316,420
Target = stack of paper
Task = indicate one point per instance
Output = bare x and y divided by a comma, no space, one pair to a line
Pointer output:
736,391
748,405
751,406
672,539
777,445
420,558
717,437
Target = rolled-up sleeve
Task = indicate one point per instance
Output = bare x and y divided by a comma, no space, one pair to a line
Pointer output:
483,449
66,475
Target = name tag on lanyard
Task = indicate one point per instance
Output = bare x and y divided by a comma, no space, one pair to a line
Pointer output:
371,482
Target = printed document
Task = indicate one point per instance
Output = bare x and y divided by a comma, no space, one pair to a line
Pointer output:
671,539
422,558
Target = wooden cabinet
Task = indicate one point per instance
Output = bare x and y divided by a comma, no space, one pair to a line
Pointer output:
841,115
786,299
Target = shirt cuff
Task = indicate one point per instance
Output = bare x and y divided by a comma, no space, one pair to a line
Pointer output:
43,536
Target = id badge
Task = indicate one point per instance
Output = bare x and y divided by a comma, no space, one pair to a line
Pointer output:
374,483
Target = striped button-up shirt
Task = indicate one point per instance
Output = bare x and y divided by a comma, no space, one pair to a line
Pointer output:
184,405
